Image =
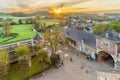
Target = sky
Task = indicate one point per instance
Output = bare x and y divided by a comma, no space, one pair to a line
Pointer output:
88,6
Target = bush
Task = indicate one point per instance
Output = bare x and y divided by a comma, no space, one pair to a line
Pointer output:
20,21
37,47
13,23
1,25
22,52
96,56
42,55
54,59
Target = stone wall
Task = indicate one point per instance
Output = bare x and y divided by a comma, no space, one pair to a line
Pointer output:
105,45
119,48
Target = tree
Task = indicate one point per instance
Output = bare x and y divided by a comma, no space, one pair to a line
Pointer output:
83,25
29,21
22,52
115,25
43,56
52,38
55,58
4,63
62,22
24,58
100,28
6,27
20,21
37,23
37,47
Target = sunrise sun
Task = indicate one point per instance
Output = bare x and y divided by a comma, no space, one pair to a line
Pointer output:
58,10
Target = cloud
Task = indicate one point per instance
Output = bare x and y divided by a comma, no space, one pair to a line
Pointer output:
24,3
68,5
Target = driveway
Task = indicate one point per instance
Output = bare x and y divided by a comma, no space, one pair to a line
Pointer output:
79,69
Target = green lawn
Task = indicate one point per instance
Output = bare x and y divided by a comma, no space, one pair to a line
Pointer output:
51,21
16,72
23,31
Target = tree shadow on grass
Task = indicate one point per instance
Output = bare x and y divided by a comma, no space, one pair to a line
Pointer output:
12,36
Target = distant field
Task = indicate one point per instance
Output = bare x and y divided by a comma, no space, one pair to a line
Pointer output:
15,19
51,21
10,16
23,31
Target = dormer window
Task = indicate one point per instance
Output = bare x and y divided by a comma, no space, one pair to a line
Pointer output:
107,35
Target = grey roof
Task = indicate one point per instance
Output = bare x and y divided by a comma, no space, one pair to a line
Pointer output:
37,37
88,38
111,35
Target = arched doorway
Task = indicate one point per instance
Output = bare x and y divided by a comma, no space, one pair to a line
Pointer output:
106,58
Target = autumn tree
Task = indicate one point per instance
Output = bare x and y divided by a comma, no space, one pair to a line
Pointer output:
22,52
43,56
37,47
52,37
37,23
24,58
4,63
6,27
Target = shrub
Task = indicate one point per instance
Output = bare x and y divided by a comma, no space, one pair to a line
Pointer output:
42,55
54,59
22,52
96,56
37,47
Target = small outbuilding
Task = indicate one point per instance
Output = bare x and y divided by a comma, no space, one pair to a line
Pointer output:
38,39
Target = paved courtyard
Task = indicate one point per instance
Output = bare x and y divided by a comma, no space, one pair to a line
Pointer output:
79,69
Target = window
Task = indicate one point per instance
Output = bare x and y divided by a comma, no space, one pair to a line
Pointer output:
106,44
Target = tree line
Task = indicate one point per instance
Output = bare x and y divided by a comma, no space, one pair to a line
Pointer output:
102,27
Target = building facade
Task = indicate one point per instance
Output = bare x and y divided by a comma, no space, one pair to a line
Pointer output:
106,46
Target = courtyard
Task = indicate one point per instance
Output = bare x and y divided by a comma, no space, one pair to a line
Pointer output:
79,69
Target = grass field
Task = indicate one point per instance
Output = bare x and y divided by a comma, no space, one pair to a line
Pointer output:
15,19
12,17
23,31
51,21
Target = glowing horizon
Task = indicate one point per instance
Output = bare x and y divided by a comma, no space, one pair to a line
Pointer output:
88,6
